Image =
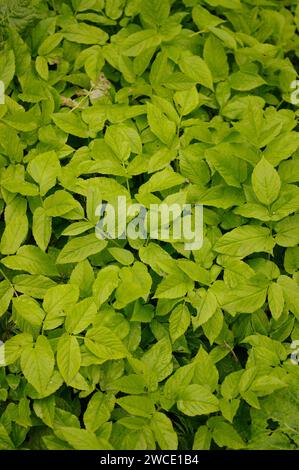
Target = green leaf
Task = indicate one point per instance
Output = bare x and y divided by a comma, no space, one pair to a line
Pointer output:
7,66
78,249
137,43
162,180
179,321
193,166
287,231
135,282
83,277
213,326
229,408
28,314
266,384
164,432
203,18
106,161
45,410
220,196
31,259
158,259
83,33
205,310
62,203
282,147
202,438
159,359
205,372
41,228
196,69
50,43
77,228
5,441
41,66
80,316
106,282
137,405
160,125
56,300
215,57
22,121
174,286
242,241
256,126
265,182
290,293
246,298
225,435
196,400
33,285
16,226
37,363
232,169
121,255
123,140
71,123
145,342
155,12
244,81
104,343
82,439
15,346
60,296
6,294
14,182
132,384
187,100
68,357
98,411
276,300
44,169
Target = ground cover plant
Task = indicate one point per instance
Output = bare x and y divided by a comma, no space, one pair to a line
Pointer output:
141,344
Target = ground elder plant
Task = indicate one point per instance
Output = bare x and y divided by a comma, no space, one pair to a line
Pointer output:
140,343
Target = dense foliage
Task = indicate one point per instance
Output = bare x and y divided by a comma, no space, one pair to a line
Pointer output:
140,344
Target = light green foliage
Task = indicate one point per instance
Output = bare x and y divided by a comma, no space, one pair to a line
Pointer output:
139,344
